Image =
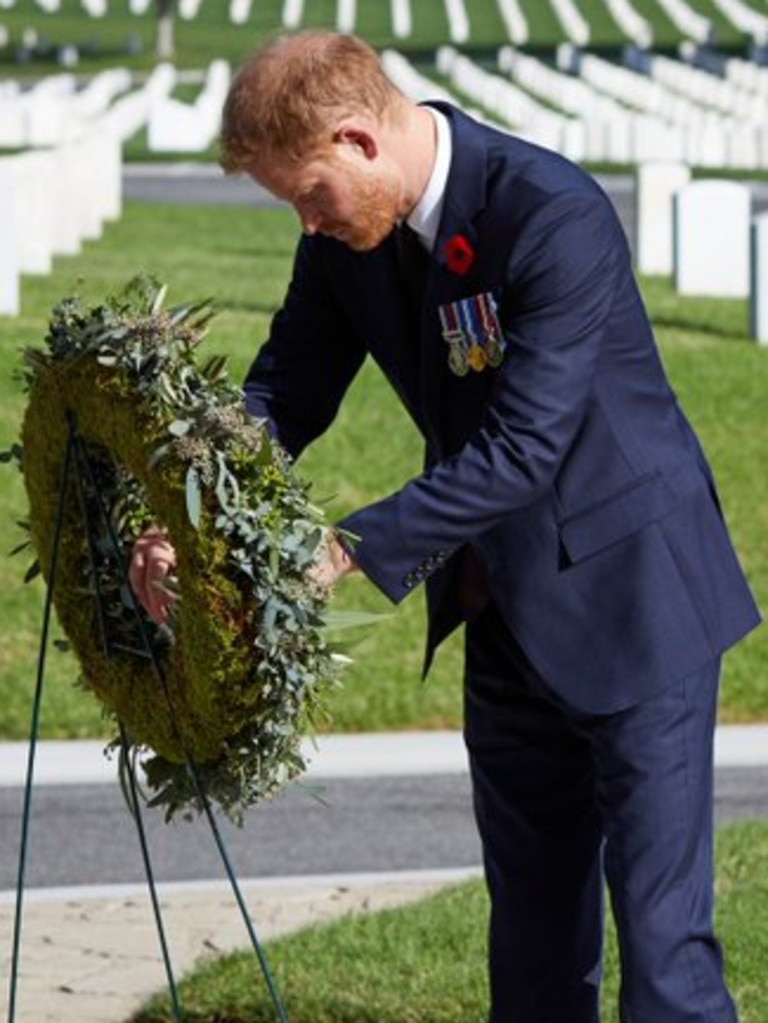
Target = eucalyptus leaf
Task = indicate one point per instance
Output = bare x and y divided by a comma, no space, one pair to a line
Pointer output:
159,298
339,621
193,496
32,572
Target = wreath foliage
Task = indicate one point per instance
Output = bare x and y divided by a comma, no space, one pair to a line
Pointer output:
245,663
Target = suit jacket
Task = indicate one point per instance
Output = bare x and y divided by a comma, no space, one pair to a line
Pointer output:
570,470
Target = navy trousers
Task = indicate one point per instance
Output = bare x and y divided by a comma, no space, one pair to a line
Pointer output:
566,802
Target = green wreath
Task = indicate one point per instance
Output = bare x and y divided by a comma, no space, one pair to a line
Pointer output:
245,663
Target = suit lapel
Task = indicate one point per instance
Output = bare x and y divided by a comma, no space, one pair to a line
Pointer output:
465,198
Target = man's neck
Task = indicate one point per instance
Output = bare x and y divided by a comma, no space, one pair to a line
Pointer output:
418,144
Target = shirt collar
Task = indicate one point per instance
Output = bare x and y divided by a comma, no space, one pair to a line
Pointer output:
424,218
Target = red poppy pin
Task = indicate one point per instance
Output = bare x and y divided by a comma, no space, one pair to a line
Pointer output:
459,254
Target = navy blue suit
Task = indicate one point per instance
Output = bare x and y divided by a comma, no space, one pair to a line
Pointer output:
572,484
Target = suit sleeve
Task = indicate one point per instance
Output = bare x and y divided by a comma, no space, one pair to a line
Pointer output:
563,277
301,373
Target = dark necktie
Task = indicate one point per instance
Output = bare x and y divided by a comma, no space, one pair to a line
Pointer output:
414,264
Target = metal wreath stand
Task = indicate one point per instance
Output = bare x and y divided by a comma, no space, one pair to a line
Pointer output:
79,471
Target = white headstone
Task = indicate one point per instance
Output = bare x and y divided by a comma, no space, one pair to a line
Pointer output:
179,127
47,110
293,12
758,301
68,228
655,187
239,11
173,127
34,209
346,15
401,18
10,297
13,123
712,239
93,185
655,140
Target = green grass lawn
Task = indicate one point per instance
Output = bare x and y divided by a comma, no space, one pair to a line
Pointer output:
241,256
425,963
128,39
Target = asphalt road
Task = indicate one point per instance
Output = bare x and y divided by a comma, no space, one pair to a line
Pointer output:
83,834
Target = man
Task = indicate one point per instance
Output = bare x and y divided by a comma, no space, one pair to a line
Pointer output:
566,511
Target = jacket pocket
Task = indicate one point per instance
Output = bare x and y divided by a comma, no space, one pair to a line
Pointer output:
616,518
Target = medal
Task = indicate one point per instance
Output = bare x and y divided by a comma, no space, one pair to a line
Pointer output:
476,357
495,353
495,343
471,329
454,337
457,359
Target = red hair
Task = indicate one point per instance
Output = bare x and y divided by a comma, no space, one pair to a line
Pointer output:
287,98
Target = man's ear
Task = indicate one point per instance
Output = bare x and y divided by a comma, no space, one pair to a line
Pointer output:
354,133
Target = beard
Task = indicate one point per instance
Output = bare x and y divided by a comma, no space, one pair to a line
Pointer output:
375,205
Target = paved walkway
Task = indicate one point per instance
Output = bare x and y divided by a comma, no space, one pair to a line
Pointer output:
91,955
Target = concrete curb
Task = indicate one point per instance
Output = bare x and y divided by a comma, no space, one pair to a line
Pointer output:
334,756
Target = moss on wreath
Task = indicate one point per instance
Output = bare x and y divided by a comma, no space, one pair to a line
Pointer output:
246,667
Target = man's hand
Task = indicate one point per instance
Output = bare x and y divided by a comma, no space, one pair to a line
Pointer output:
152,561
334,562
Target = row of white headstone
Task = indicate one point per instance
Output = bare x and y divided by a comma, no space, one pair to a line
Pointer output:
54,111
51,200
702,232
688,21
594,110
54,198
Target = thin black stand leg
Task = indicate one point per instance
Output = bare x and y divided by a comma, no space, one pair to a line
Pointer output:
136,812
148,651
255,943
34,729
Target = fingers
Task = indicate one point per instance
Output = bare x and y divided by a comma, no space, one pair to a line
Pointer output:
152,561
334,562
